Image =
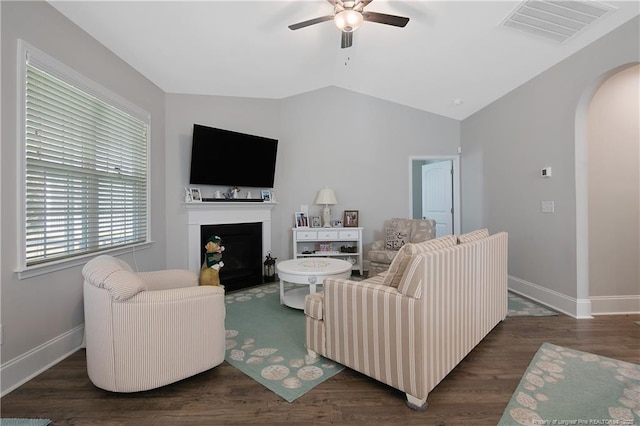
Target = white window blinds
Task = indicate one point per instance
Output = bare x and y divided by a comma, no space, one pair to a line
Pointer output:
85,171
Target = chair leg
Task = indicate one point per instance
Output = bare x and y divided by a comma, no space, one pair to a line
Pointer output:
416,404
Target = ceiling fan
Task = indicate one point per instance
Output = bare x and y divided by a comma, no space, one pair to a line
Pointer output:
349,15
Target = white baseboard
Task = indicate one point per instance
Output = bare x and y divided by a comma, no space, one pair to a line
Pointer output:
615,305
577,308
23,368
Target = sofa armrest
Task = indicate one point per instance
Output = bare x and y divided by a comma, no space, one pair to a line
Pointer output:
373,328
168,279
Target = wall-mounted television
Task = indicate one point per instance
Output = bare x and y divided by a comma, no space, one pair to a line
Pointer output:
224,157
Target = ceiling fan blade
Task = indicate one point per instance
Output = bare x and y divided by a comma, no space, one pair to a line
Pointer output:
310,22
383,18
347,39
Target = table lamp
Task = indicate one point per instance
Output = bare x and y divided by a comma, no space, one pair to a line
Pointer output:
326,197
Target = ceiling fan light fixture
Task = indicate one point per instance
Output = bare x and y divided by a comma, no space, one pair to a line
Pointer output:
348,20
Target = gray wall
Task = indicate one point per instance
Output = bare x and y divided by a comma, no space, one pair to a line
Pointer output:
357,145
507,143
253,116
47,309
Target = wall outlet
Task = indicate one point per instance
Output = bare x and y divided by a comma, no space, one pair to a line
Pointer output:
546,172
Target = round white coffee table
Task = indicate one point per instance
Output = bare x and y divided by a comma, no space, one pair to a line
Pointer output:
310,272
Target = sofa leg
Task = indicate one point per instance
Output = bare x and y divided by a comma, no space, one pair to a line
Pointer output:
416,404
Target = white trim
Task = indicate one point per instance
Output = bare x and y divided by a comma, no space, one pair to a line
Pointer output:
581,169
25,367
577,308
21,154
46,268
615,305
455,159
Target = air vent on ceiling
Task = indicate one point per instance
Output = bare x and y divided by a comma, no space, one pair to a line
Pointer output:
556,20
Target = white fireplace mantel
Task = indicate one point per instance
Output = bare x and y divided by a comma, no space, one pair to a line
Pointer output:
225,212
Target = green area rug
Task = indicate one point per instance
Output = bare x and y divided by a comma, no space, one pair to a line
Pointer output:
521,307
563,386
24,422
265,340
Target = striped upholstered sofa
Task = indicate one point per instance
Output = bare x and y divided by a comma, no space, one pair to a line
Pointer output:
410,326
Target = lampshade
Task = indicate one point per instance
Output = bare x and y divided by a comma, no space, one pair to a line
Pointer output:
348,20
326,196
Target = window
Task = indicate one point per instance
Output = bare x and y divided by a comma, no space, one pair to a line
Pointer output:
85,165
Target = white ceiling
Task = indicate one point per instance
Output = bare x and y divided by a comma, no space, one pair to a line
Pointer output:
449,49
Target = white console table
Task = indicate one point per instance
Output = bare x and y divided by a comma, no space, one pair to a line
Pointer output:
342,243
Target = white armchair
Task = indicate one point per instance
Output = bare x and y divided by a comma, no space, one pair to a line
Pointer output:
146,330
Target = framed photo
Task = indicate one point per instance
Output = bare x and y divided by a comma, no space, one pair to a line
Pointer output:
196,196
350,218
315,222
302,221
265,194
337,223
325,247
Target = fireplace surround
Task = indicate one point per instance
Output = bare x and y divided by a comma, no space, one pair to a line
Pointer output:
242,255
219,213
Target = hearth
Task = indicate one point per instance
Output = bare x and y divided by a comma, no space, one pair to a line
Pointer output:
242,255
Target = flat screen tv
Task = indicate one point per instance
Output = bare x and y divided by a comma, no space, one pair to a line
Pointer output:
223,157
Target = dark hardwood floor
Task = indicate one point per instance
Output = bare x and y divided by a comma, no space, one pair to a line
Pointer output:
474,393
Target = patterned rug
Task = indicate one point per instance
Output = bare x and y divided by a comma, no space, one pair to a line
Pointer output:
265,340
24,422
563,386
521,307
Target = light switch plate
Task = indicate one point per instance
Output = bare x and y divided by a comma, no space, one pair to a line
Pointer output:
547,206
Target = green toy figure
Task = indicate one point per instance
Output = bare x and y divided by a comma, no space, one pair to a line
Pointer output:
210,271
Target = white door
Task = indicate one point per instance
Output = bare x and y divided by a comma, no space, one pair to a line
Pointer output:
437,195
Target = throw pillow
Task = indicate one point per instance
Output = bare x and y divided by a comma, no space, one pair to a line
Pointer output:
115,275
396,235
394,240
123,285
397,267
473,236
402,259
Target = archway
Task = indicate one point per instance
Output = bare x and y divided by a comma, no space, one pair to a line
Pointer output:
584,302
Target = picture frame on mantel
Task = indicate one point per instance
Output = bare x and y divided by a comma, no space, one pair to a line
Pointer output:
196,195
350,218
